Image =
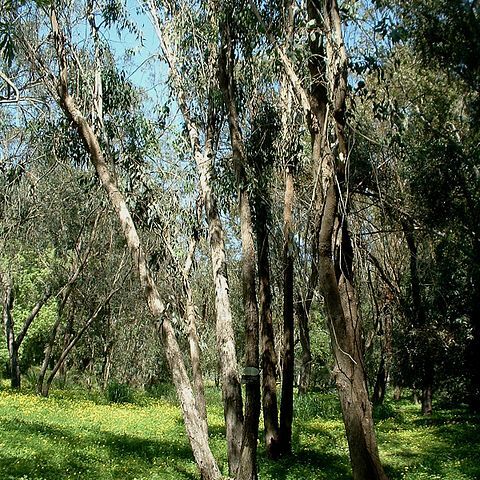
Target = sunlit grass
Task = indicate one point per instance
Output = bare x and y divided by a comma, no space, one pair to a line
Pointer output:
69,436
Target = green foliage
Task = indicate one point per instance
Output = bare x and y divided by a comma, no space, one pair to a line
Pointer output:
31,277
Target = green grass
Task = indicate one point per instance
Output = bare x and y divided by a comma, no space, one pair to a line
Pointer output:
69,436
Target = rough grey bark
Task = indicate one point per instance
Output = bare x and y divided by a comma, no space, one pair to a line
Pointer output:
195,426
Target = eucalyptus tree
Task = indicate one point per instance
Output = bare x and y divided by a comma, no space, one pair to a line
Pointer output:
325,109
60,85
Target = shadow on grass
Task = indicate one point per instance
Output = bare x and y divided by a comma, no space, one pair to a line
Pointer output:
307,464
445,445
54,453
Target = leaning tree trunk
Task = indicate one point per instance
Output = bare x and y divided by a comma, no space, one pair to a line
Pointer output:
195,426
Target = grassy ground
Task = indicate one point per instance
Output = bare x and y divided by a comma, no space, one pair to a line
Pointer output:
69,436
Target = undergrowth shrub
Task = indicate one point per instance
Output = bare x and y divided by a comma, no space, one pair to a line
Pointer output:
313,405
117,392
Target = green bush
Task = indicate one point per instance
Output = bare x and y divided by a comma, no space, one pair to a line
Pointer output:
117,392
385,411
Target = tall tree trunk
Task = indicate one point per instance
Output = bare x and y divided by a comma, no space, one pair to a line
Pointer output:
422,340
336,258
286,405
268,355
230,380
195,426
247,467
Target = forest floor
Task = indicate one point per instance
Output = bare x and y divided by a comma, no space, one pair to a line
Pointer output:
79,435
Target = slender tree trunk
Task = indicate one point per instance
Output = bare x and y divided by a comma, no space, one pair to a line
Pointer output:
383,372
48,354
286,405
195,426
306,358
230,380
247,467
268,355
419,323
8,324
193,340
